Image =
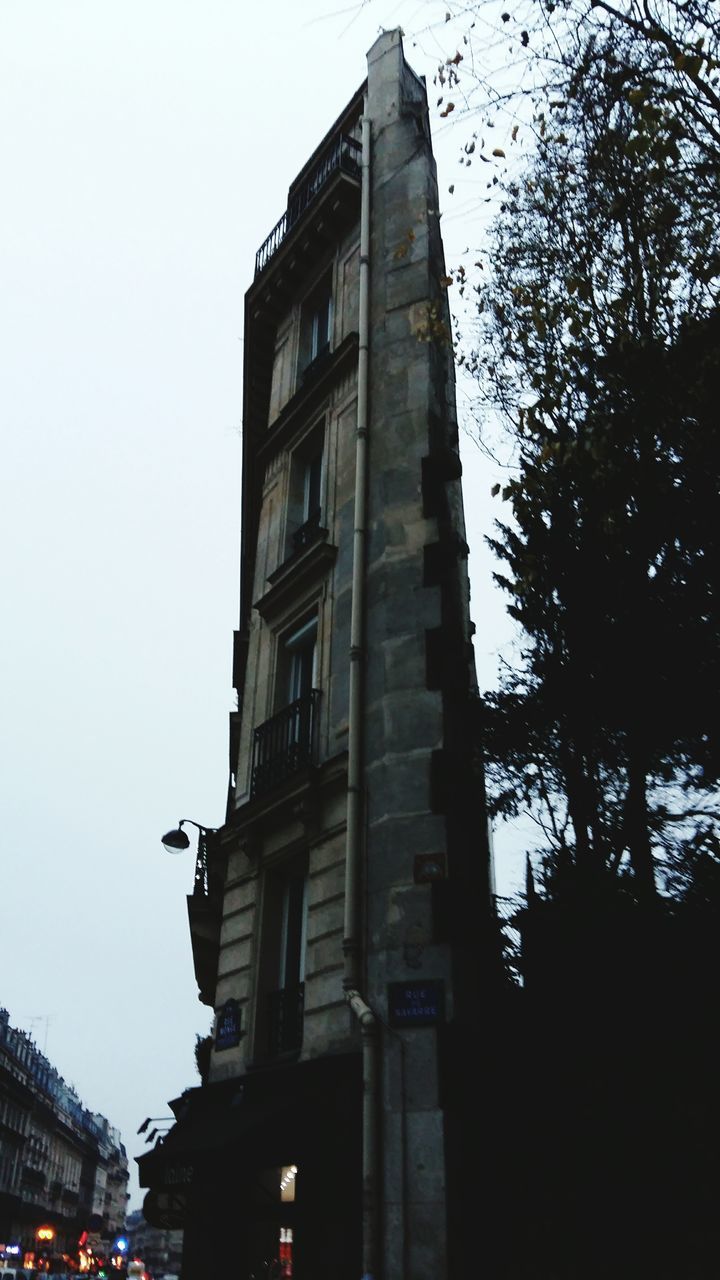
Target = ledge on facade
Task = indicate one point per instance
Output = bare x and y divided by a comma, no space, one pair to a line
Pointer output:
299,252
297,799
296,576
205,919
308,398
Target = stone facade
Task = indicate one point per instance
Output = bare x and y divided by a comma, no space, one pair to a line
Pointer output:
286,969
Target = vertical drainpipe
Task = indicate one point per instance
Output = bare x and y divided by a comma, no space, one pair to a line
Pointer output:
354,879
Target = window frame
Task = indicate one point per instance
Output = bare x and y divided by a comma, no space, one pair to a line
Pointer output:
317,324
292,642
304,519
279,876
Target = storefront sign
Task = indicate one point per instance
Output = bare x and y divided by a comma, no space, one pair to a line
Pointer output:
165,1209
177,1175
228,1031
416,1004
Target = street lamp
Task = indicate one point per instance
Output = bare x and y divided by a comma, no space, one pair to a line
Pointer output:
177,840
163,1125
152,1120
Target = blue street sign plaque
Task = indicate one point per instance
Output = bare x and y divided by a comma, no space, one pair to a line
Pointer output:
415,1003
228,1031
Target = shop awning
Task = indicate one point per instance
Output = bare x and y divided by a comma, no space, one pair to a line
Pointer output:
243,1128
259,1119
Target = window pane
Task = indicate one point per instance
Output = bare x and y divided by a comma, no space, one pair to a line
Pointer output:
292,938
320,327
300,649
313,475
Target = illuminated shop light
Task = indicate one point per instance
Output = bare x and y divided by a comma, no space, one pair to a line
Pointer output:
285,1251
287,1182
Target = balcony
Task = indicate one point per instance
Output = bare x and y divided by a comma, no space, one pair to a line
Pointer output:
285,744
342,157
32,1177
308,532
285,1020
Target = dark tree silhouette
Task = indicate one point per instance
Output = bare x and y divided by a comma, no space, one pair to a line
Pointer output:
599,346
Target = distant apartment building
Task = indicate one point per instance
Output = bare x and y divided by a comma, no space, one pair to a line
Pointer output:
158,1247
61,1166
342,921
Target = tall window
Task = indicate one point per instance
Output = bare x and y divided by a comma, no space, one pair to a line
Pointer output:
287,742
320,325
300,662
292,929
316,325
282,988
312,478
305,495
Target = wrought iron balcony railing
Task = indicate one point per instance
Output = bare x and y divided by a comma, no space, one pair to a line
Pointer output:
284,744
200,888
344,155
285,1019
308,532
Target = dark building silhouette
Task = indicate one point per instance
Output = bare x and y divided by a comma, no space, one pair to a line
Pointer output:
341,919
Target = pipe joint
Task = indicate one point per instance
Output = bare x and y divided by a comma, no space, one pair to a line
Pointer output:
364,1014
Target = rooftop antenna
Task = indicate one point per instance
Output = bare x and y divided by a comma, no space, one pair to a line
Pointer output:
41,1017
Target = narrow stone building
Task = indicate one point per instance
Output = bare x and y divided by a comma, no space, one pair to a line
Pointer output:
341,919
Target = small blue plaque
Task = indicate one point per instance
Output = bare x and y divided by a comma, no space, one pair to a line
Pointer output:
416,1004
228,1030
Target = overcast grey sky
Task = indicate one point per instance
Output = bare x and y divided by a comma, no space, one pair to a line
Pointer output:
146,147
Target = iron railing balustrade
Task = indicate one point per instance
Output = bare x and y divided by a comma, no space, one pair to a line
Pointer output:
284,744
285,1019
344,155
308,532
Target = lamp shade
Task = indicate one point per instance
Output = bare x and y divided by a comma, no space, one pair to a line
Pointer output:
175,841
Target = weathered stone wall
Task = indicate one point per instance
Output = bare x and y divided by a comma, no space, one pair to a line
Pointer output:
412,418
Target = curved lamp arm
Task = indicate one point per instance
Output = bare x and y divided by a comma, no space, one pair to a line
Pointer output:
177,840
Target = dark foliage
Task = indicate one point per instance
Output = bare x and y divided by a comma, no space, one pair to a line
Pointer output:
600,330
203,1049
